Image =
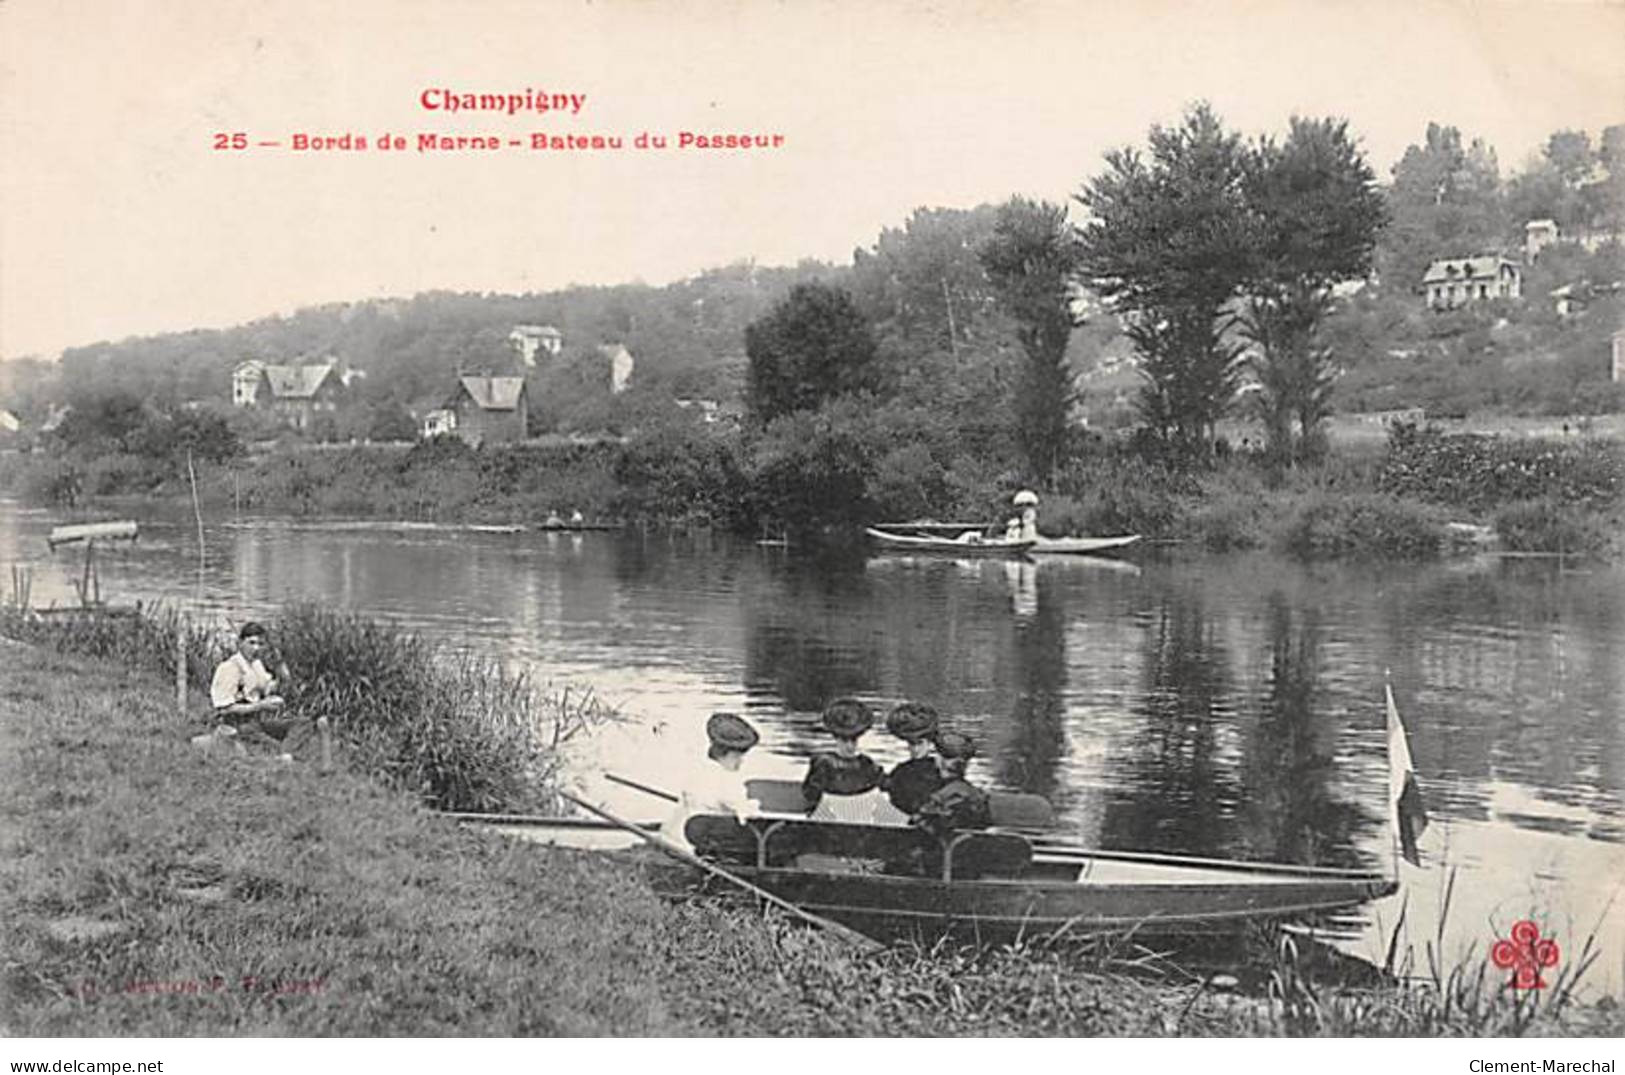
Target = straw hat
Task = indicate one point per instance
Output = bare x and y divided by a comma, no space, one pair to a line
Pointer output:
730,732
1025,497
955,746
912,721
848,718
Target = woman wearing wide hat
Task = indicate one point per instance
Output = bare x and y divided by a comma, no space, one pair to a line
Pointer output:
716,787
844,784
912,782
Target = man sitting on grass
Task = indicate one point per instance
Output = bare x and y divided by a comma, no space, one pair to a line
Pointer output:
243,695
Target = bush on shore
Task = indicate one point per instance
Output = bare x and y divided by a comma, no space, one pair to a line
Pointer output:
1548,525
855,462
1360,525
1479,472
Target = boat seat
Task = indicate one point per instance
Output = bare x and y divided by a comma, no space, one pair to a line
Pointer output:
1011,809
768,842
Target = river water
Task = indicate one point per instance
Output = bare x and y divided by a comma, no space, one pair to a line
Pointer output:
1216,705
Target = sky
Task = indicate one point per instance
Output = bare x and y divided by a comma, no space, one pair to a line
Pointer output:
119,217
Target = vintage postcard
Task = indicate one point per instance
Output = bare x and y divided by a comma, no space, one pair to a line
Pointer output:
897,520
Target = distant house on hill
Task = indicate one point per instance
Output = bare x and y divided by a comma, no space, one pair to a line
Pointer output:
9,423
530,340
438,422
489,409
1537,236
1453,282
297,393
246,381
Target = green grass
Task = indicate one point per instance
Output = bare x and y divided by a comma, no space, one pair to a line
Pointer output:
135,865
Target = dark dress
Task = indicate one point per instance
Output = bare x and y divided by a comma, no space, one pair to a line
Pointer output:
912,782
954,806
832,774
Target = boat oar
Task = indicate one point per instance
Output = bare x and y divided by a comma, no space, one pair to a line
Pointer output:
844,933
645,788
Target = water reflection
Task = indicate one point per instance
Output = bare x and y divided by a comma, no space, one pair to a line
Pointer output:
1176,791
1032,740
1289,811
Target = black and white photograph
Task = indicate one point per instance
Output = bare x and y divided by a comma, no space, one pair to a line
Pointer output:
534,519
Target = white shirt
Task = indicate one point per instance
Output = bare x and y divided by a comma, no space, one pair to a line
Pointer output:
238,679
713,790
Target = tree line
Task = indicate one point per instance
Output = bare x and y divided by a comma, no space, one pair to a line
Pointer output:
1215,256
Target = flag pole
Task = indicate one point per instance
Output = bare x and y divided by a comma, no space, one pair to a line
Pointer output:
1388,753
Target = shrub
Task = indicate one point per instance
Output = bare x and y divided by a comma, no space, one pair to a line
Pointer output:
1122,493
680,474
53,481
120,472
1360,525
461,733
1480,472
1550,526
1228,524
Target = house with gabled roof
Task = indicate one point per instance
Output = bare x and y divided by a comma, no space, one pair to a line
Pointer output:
296,392
528,340
1453,282
490,410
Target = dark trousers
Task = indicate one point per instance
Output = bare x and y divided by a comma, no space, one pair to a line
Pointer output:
286,734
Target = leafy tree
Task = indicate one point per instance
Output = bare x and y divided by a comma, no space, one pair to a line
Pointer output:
102,421
204,434
813,347
1031,260
923,285
1570,155
1445,202
1167,245
1315,211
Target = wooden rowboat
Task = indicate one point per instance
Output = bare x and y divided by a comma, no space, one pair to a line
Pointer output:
974,545
889,879
885,880
1084,545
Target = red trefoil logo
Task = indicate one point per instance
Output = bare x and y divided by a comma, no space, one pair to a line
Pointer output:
1524,955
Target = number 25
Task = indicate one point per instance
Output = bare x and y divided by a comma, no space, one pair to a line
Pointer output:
235,140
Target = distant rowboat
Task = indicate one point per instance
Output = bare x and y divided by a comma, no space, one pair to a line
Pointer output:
968,543
1084,545
951,537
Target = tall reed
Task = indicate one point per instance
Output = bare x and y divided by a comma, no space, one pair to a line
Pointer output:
458,731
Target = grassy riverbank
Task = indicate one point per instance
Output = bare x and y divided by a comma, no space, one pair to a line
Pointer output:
148,889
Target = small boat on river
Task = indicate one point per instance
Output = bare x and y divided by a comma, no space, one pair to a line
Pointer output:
1013,879
1084,545
967,538
898,879
966,543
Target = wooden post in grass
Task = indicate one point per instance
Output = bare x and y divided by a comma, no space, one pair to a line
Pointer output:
180,666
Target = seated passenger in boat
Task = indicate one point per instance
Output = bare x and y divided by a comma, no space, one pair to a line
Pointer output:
913,781
844,784
957,804
716,788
